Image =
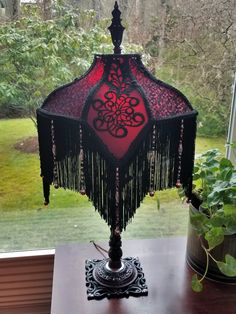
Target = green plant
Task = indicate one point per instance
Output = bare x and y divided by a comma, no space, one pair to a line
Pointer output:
214,197
37,56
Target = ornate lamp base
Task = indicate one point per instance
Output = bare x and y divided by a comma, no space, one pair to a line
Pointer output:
102,281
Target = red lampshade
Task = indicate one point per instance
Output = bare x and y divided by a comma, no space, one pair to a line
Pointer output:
116,134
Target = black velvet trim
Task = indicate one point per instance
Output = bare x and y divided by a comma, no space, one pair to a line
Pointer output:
45,152
187,160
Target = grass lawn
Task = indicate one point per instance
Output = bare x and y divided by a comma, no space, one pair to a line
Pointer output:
26,224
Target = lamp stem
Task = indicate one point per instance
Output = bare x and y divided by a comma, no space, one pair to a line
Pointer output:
115,251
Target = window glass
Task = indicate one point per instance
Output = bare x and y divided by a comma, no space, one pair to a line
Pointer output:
189,45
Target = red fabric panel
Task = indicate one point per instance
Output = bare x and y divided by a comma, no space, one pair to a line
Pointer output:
117,118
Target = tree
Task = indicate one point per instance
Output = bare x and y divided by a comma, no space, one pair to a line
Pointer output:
45,8
12,8
199,56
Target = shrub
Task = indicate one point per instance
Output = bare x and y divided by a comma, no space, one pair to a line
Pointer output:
37,56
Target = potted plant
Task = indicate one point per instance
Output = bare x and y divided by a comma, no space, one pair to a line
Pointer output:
211,246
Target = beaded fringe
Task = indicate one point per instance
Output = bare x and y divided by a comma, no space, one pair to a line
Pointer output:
71,158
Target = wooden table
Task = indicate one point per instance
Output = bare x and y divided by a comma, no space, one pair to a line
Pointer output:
167,275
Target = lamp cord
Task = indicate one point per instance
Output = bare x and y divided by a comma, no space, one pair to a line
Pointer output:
99,249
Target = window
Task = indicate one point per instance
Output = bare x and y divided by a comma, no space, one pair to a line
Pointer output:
184,50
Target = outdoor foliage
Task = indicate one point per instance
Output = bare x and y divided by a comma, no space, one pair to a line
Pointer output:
37,56
193,47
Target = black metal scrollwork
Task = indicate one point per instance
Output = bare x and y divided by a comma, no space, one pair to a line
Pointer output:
129,281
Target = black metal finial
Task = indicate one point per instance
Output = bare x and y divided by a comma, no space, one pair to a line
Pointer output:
116,29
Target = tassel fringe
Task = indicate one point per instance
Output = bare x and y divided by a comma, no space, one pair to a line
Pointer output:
71,158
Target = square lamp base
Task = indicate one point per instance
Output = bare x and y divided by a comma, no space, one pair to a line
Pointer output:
102,281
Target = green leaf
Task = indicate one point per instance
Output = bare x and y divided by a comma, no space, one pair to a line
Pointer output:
196,169
199,222
230,209
214,237
196,176
229,267
214,198
225,163
211,153
226,174
196,284
233,179
230,223
218,219
211,163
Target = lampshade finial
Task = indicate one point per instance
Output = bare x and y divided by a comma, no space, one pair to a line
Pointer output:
116,29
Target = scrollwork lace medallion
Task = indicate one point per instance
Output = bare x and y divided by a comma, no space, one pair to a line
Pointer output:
116,113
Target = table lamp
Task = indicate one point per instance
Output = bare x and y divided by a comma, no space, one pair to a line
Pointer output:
116,134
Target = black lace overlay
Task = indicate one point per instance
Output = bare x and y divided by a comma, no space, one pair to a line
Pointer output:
116,113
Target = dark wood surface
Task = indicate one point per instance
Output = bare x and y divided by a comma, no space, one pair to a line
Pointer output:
167,275
26,283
